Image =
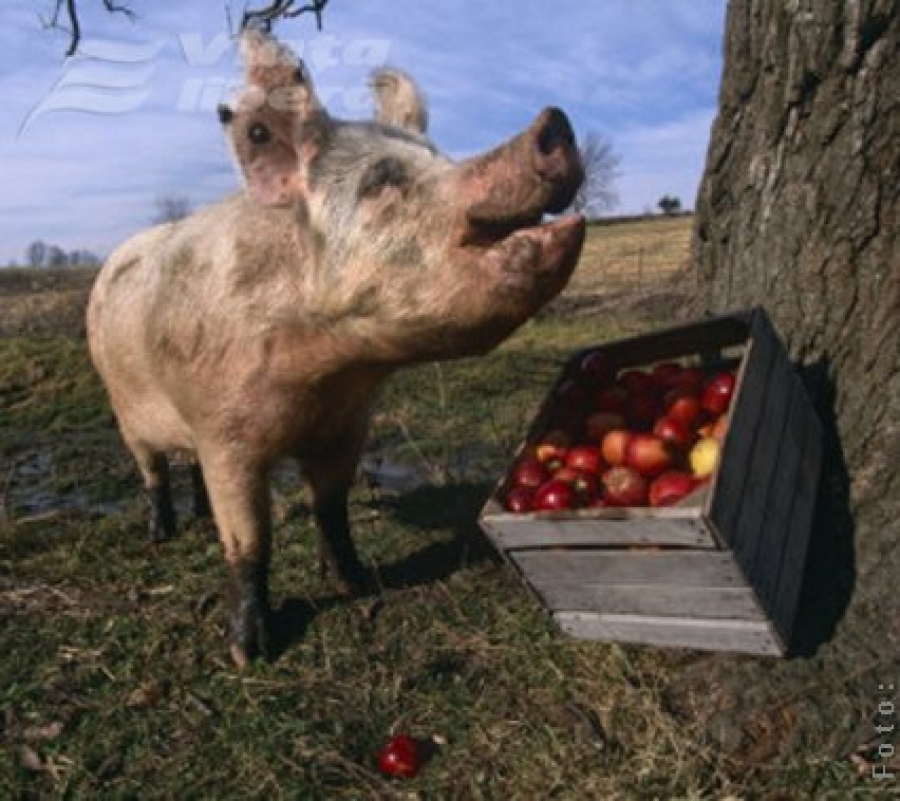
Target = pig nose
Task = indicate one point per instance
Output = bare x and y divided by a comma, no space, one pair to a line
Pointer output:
556,158
553,131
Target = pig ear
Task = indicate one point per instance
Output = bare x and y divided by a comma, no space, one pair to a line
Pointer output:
398,101
276,122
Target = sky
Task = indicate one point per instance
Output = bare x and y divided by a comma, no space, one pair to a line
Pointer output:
89,144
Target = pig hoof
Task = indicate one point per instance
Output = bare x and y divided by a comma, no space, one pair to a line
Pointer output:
249,640
162,524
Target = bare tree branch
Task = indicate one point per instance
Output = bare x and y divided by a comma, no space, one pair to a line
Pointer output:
601,169
73,27
282,9
263,17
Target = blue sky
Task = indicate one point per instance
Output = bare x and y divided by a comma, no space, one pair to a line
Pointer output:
89,144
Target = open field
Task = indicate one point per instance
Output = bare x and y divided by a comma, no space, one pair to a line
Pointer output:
114,676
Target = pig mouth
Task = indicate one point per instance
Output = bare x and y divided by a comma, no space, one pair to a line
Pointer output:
526,251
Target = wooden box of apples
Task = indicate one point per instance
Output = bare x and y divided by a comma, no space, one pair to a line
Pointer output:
664,493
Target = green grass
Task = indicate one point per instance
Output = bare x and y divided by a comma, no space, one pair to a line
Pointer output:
114,675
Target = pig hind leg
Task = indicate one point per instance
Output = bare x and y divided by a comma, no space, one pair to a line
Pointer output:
154,469
239,495
330,479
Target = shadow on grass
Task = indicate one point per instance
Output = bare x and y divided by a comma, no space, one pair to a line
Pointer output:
451,508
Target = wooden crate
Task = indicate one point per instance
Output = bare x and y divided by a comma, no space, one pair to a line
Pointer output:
722,570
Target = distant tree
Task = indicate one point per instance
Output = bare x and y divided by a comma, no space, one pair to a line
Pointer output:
601,169
36,253
83,258
170,208
669,204
57,257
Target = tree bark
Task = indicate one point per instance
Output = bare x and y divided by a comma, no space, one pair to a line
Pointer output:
798,211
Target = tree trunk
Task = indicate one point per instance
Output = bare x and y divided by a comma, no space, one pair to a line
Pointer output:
798,211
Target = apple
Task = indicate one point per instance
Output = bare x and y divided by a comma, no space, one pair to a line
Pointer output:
614,444
611,399
720,427
520,499
670,487
586,458
401,756
666,374
598,424
551,449
673,431
529,472
717,393
555,494
643,409
704,457
649,454
597,369
682,404
637,382
690,378
586,484
570,394
623,486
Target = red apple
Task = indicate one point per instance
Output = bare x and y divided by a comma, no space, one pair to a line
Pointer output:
611,399
720,427
683,405
614,444
690,378
551,449
585,457
401,756
520,499
529,472
637,382
597,424
554,495
673,431
623,486
642,410
717,393
570,394
649,454
586,484
597,369
671,487
666,374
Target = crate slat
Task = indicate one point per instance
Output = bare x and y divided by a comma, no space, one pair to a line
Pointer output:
652,599
738,445
757,637
764,474
510,533
688,569
790,576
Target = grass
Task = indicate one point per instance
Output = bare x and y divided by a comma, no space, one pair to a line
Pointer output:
114,676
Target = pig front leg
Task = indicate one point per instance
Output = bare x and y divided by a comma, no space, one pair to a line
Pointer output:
239,495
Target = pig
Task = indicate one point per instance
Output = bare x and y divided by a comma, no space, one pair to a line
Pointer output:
261,327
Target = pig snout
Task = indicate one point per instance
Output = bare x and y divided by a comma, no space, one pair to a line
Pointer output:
537,171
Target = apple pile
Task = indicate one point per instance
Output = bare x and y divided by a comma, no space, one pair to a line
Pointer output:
636,438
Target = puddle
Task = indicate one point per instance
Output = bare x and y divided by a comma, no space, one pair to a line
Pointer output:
27,492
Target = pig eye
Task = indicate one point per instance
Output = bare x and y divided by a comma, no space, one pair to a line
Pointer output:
259,134
384,172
